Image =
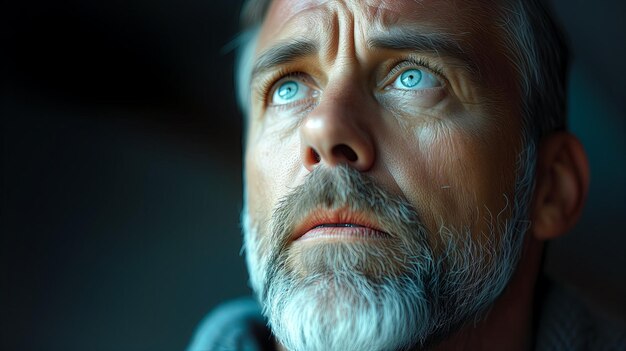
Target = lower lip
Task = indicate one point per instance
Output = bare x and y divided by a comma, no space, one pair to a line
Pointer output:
342,233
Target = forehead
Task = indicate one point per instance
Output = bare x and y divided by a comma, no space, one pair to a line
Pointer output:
312,17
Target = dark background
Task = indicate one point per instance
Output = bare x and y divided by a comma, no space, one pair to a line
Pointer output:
121,175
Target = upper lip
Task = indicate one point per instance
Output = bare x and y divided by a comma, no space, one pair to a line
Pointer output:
337,216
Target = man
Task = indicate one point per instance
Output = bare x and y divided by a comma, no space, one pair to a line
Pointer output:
405,163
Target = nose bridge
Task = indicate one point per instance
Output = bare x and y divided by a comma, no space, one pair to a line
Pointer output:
339,129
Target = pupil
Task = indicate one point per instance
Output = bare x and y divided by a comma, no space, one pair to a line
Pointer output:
411,78
288,90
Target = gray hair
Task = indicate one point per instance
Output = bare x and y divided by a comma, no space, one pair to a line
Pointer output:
537,50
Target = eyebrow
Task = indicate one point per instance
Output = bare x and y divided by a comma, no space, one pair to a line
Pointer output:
441,44
411,39
283,53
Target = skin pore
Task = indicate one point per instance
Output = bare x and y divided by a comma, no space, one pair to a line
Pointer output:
332,84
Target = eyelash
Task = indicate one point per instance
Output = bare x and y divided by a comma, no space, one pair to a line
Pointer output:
267,84
401,64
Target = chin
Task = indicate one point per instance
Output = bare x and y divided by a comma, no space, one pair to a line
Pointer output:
377,260
348,310
374,295
342,294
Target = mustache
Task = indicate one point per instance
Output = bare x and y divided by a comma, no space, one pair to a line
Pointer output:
343,187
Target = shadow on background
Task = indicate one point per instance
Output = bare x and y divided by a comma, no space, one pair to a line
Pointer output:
121,175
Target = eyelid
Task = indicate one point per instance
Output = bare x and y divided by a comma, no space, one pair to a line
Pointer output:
301,78
267,83
272,83
399,66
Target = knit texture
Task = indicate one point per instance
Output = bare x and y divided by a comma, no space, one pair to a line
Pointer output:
566,324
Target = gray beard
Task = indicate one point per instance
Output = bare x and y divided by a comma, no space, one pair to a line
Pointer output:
406,293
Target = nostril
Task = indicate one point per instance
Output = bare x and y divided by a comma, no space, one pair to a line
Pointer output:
345,151
315,156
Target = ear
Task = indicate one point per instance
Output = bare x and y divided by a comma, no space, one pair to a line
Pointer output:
561,185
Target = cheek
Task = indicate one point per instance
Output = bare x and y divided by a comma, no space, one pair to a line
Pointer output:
271,165
453,176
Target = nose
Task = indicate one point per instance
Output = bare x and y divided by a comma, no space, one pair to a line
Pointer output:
338,131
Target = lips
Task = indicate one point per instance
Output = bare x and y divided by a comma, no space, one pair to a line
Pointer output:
339,224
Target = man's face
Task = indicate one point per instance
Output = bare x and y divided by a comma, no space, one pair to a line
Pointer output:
382,154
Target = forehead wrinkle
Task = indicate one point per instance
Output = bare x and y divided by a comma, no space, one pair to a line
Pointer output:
382,15
283,15
300,36
342,34
318,20
288,9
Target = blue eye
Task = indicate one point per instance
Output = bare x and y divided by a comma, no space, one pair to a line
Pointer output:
411,78
289,91
414,79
